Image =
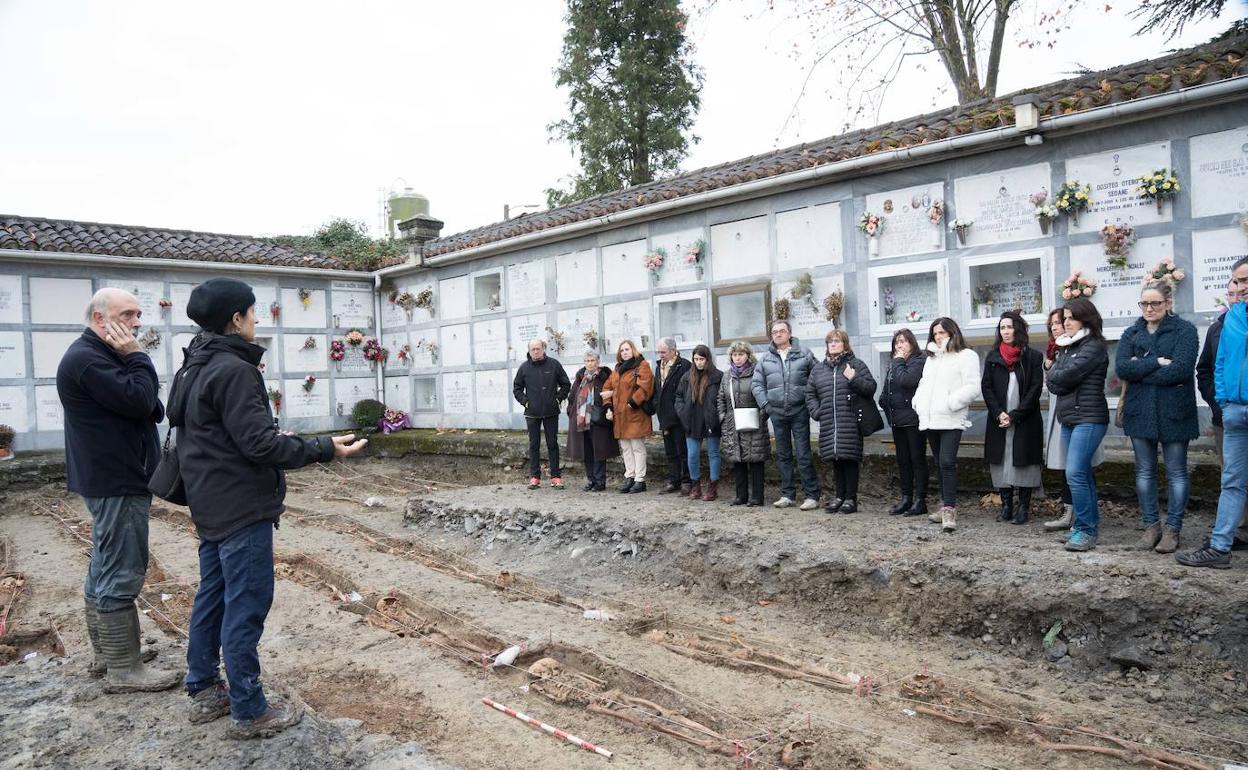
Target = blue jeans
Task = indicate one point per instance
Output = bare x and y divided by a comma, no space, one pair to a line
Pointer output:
694,445
1234,475
1081,442
793,442
1175,454
235,593
118,550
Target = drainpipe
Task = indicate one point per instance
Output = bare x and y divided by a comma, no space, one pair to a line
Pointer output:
144,263
1223,90
381,370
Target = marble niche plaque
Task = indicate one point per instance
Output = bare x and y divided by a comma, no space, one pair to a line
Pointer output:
353,363
457,391
423,353
425,394
300,404
907,228
576,276
149,295
999,204
623,267
1213,254
265,297
392,314
351,309
525,329
349,391
1118,291
399,392
296,315
526,284
574,323
809,237
1115,179
1219,183
912,292
49,348
676,271
12,355
453,298
489,341
493,391
59,300
13,408
180,295
297,358
807,315
626,321
740,248
49,414
455,348
10,299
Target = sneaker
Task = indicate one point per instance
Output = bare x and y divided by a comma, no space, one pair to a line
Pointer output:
534,482
1080,541
556,483
1205,557
948,518
279,715
209,704
937,516
809,504
783,502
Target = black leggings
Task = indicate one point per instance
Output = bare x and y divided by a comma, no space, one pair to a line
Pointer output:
911,461
845,478
944,445
749,478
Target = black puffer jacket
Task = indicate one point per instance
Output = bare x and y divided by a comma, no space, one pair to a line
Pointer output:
699,420
1077,378
900,383
829,399
540,387
1204,369
230,453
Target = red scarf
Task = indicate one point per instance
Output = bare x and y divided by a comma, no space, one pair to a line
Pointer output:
1011,354
1050,352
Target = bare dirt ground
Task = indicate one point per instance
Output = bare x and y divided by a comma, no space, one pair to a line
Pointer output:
738,637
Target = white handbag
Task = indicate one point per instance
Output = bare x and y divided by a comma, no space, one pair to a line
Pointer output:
745,418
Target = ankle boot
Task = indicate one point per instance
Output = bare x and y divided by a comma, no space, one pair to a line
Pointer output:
901,507
119,641
1007,504
1023,513
712,491
1062,522
1149,538
919,508
695,491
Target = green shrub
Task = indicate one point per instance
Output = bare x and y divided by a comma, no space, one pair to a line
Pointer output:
367,413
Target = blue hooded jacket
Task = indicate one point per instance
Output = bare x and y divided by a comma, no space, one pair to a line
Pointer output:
1230,381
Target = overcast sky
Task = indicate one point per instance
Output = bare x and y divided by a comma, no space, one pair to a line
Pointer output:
272,117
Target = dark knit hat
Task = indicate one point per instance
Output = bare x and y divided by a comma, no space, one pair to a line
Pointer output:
214,302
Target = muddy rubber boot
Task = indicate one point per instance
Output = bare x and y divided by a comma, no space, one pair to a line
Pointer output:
280,715
1169,541
98,666
1149,538
695,492
1062,522
1022,514
712,492
1007,504
119,641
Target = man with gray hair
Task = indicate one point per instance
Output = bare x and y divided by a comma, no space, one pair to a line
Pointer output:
541,385
109,392
667,376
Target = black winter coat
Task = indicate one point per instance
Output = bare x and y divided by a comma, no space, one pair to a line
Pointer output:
746,446
1204,369
699,420
1027,420
900,383
230,452
1161,400
664,397
540,387
111,408
829,399
1077,378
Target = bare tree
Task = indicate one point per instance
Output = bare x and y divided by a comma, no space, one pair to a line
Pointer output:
1170,16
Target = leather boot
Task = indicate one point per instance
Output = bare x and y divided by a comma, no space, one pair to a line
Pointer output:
1022,514
695,491
1007,504
1062,522
919,508
1169,542
1149,538
901,507
119,641
712,491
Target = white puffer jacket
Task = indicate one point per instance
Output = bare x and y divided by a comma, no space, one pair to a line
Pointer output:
951,381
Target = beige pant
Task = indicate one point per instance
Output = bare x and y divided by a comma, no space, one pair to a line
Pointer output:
633,450
1243,519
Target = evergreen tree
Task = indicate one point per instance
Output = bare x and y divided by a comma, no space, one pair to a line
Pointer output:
632,93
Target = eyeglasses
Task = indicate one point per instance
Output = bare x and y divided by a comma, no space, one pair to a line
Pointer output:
1151,304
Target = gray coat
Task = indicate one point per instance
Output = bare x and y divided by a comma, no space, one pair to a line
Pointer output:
829,398
751,446
783,387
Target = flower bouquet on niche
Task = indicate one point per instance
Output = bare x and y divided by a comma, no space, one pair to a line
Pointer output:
1072,198
889,303
556,339
833,307
309,383
1078,285
305,296
653,262
1167,271
1045,212
337,352
871,225
694,255
275,397
394,420
1160,186
1118,239
961,227
355,338
374,353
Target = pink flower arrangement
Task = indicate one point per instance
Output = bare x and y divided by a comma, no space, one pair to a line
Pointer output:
695,252
1165,270
166,303
654,260
1078,285
1038,198
373,351
309,382
1118,239
337,350
871,224
936,212
355,338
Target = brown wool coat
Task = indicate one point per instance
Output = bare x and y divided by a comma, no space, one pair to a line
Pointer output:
630,422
